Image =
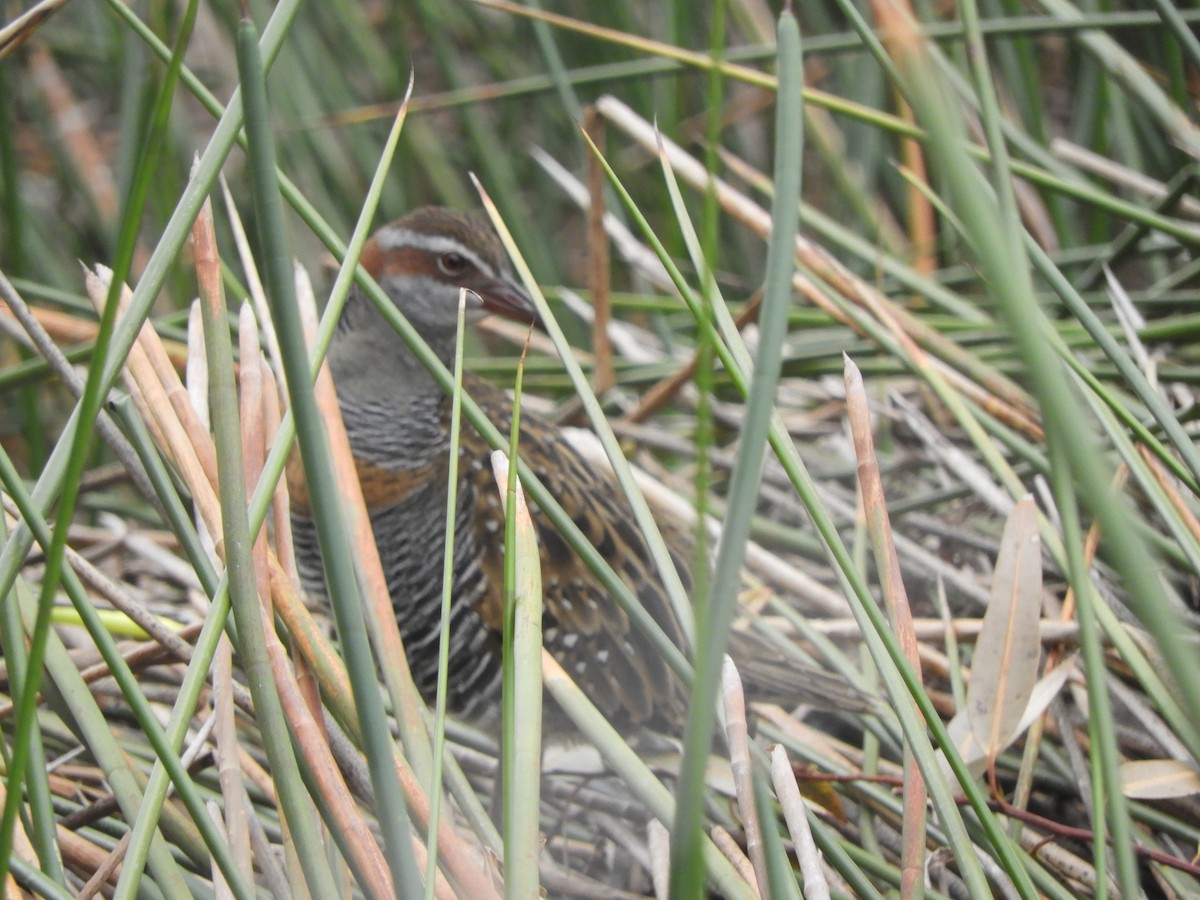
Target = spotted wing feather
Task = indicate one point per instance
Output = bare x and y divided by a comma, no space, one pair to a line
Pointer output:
583,625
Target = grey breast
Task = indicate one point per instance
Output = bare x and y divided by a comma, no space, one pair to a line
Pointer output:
410,536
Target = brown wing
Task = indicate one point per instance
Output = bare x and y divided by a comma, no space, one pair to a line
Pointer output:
583,626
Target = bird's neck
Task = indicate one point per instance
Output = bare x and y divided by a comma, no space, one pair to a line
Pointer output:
371,362
380,383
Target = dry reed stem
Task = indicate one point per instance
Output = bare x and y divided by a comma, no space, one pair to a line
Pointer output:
733,852
184,445
733,700
1020,409
172,422
874,507
86,856
379,610
663,391
599,275
796,816
69,328
997,394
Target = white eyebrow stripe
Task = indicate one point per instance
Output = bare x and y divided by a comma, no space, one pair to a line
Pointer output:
394,238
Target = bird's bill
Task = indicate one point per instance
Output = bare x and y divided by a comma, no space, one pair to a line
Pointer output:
507,298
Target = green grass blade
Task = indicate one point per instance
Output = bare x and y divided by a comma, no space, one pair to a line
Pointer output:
332,533
687,873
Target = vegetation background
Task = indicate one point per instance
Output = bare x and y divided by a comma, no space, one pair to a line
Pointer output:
998,227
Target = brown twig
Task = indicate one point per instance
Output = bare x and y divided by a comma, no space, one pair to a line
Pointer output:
661,392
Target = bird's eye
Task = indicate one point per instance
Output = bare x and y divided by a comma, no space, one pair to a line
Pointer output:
452,263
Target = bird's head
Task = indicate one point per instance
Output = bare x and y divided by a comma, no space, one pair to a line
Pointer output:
423,260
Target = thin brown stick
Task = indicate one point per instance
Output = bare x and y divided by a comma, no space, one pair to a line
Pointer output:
874,506
599,275
661,392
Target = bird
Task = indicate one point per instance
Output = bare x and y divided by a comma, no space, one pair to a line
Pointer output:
398,420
